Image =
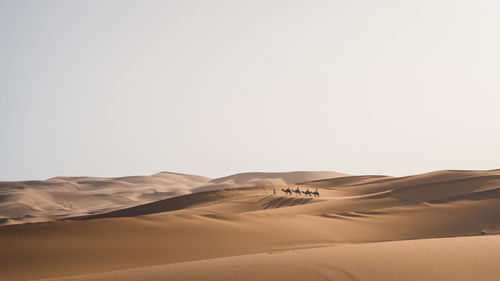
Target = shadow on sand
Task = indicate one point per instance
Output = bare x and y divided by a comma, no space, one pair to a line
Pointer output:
284,202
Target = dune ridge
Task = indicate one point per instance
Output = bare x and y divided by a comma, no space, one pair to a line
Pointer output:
266,179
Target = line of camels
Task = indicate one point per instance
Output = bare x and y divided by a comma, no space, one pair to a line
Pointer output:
299,192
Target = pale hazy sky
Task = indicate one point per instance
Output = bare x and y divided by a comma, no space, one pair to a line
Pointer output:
110,88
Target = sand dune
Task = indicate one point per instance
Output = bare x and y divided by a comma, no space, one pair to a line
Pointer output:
61,197
203,232
265,179
457,259
64,197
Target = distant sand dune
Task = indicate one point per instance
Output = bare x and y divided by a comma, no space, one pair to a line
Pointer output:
265,179
61,197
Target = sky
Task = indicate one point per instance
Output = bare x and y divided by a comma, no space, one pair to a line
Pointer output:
114,88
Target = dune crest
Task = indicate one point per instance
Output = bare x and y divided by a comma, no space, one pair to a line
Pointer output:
266,179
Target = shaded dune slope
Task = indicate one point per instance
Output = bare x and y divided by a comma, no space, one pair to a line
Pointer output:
255,198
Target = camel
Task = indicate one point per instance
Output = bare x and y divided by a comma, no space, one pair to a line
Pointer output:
307,192
297,191
315,193
286,191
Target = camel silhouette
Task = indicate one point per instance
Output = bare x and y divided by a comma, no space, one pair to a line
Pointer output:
286,191
297,191
315,193
307,192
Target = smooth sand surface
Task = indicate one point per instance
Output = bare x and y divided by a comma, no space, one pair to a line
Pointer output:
444,259
213,235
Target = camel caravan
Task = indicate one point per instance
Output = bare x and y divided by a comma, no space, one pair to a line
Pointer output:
298,192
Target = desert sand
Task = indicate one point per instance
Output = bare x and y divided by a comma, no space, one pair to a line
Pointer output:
435,226
61,197
458,259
